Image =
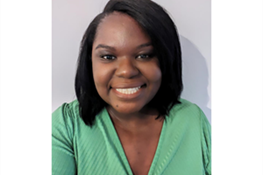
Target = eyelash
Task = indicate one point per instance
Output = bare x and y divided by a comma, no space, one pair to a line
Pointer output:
103,57
146,56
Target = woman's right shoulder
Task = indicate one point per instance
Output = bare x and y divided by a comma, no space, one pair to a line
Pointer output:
63,131
67,109
66,115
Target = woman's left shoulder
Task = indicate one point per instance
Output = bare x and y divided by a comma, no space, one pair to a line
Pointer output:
187,122
188,112
186,107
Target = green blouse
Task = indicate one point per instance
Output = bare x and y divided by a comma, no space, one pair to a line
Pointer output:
184,146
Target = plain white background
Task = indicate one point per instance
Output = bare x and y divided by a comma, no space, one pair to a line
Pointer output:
25,87
192,18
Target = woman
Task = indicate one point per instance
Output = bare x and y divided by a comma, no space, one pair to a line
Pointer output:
129,118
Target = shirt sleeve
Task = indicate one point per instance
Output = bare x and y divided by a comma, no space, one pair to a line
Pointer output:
206,143
63,160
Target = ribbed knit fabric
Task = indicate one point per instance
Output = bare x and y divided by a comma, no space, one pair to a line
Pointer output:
184,146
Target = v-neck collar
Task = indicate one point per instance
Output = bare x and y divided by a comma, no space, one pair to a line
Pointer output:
115,139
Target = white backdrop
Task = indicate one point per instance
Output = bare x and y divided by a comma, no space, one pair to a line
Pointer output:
193,20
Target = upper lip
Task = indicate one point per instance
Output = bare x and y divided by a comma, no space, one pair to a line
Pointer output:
126,86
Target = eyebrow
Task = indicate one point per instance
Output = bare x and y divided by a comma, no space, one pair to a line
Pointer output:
112,48
105,46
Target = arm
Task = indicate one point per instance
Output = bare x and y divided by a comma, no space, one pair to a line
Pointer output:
63,160
206,143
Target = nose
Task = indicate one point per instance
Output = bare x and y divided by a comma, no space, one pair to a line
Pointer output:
127,68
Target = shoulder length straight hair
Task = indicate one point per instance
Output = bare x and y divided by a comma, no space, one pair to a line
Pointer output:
163,34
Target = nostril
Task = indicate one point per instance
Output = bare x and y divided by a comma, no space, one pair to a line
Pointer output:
127,69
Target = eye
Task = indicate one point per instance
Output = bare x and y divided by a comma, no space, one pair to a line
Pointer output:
144,56
108,57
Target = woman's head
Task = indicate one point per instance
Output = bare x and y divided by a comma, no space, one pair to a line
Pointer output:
125,69
134,45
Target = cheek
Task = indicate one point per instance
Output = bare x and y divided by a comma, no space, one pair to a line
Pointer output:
101,76
157,75
157,79
153,73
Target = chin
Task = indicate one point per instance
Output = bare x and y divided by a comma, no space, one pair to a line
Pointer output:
127,109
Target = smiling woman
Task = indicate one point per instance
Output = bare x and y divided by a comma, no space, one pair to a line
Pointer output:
124,73
129,117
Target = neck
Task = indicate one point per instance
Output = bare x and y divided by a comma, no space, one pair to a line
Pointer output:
135,123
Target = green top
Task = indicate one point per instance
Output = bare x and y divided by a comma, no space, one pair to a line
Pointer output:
184,146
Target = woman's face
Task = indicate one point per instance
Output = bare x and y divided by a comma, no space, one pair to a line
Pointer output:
125,70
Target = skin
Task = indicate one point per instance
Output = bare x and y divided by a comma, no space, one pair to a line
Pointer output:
123,57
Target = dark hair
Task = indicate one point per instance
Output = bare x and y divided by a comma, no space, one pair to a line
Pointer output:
155,21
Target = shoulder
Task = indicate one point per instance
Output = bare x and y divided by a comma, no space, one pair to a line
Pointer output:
188,125
65,116
185,107
187,112
66,109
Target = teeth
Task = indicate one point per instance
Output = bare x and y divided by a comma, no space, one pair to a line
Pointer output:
128,90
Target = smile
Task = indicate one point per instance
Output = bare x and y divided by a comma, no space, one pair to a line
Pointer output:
128,90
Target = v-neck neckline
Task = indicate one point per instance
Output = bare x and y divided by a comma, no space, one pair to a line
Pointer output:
120,148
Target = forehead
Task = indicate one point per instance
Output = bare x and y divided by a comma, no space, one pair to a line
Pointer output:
120,29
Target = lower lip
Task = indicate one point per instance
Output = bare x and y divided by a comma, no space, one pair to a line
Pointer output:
128,96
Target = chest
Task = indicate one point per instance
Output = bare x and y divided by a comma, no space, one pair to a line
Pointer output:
140,154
